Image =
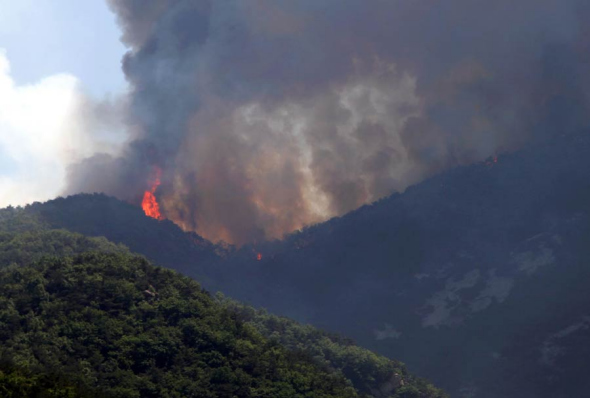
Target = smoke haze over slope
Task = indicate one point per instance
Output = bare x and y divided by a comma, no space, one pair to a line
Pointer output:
265,116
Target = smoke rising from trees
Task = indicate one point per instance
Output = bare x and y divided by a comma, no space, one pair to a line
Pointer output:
266,116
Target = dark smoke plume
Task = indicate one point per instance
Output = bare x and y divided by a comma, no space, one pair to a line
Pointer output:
267,115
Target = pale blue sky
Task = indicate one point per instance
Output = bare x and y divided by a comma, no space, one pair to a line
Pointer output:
58,58
78,37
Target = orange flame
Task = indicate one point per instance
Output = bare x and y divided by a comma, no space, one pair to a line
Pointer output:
492,161
149,204
259,256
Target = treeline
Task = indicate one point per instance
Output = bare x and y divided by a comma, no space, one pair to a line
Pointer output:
115,324
82,317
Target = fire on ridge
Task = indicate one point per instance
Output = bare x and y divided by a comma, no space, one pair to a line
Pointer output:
149,204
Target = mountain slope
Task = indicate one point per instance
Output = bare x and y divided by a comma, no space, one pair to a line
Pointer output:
115,324
120,222
477,278
107,323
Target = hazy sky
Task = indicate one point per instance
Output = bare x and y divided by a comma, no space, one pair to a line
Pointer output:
60,62
48,37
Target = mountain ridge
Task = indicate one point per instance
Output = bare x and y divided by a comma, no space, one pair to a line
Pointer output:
447,276
83,317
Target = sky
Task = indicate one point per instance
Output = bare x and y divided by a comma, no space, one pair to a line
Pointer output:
48,37
60,61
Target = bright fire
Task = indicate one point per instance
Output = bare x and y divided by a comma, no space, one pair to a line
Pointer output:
149,204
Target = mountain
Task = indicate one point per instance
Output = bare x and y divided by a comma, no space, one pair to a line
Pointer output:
99,215
476,278
83,317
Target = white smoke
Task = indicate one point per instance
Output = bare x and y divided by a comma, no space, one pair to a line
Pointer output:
45,127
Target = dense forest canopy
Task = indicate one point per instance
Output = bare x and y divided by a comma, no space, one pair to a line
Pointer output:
84,317
476,278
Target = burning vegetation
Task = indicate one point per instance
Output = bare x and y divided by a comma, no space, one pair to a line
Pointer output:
149,204
258,144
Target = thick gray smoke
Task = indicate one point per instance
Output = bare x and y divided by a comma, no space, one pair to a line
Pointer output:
267,115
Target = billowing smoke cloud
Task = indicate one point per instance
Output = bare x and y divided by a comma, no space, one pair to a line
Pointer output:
267,115
45,127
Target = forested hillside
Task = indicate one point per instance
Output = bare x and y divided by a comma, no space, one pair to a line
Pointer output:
84,317
476,278
98,215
